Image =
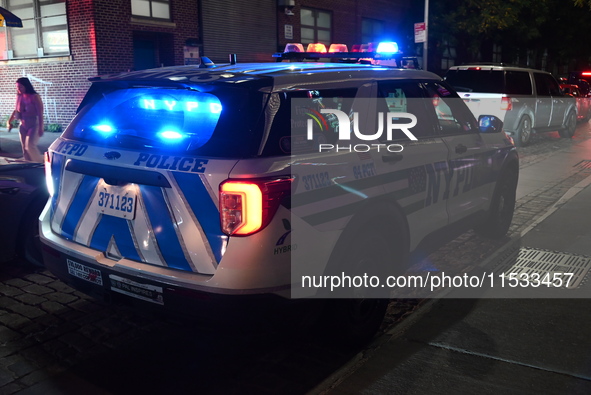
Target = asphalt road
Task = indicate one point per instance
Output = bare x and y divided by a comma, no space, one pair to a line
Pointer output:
508,341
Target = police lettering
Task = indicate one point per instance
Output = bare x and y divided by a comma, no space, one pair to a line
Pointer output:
168,162
457,176
67,148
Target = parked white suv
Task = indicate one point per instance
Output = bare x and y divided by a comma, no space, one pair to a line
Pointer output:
526,100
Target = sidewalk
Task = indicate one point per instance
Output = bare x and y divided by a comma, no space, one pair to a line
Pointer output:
10,144
491,346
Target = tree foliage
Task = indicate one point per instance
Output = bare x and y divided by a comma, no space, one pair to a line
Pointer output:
583,3
526,29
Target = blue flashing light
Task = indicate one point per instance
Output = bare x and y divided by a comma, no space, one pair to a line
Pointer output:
103,128
387,47
171,135
215,108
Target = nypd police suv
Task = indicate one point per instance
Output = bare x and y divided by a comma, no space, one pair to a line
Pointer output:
181,187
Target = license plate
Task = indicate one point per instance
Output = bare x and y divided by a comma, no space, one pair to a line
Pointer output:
84,272
147,292
117,201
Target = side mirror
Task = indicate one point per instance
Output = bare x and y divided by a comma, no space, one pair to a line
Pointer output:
489,124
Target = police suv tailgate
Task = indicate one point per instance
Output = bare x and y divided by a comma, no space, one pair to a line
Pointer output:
152,208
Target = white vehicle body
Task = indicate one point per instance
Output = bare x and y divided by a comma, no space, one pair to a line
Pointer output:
134,218
526,100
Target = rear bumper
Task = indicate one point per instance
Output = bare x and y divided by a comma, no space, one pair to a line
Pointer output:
113,287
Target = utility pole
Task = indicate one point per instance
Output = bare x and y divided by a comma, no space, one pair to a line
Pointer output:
426,42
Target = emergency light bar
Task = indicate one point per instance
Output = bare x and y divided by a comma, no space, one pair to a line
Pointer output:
383,53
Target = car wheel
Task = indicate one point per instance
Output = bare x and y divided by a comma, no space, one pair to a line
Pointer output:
570,126
524,132
29,243
354,318
499,217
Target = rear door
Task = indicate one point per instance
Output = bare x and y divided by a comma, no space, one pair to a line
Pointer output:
419,176
560,102
543,118
468,191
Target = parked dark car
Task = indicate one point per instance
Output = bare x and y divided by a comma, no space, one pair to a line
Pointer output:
23,194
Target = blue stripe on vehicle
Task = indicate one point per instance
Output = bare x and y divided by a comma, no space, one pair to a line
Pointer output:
117,228
79,203
57,162
204,209
162,223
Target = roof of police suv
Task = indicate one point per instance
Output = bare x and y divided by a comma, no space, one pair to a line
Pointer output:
282,73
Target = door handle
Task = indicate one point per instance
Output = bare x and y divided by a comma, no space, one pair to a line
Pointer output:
461,148
392,158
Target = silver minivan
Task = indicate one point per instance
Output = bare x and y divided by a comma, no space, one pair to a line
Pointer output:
526,100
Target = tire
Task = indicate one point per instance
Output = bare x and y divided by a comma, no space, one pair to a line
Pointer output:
570,126
524,132
499,217
354,318
29,246
354,322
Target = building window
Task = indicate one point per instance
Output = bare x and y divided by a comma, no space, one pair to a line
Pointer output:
44,31
159,9
316,26
448,57
371,30
497,53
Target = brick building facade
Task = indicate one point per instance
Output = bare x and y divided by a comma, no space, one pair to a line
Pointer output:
111,36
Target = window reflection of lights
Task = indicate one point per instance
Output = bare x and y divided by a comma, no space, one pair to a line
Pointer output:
171,135
103,129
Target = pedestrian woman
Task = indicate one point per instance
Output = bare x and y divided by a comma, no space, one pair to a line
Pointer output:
29,110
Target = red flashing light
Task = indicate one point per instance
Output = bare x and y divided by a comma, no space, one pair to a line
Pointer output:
586,73
338,48
316,47
474,68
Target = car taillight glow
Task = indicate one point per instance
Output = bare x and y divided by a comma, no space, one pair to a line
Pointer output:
506,104
586,73
247,206
48,178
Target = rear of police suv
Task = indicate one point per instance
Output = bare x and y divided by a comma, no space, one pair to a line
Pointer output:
142,202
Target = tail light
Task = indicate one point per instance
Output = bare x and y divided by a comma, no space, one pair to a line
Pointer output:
247,206
506,104
48,178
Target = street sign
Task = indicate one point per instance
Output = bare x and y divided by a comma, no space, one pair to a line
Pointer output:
420,32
